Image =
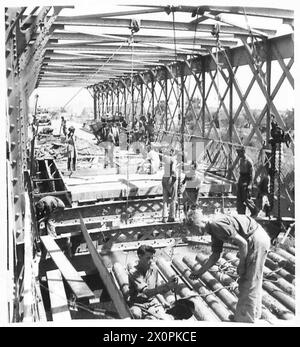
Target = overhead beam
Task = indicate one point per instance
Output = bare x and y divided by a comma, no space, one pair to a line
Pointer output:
115,48
150,24
221,19
145,47
249,11
143,38
100,55
76,68
88,62
253,11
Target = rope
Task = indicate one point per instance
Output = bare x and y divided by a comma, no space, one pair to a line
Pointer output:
206,138
95,73
216,33
193,47
216,291
131,42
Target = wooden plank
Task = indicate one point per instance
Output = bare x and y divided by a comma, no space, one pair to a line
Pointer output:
59,302
77,284
108,281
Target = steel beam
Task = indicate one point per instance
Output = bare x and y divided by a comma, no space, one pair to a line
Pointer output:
118,300
150,24
252,11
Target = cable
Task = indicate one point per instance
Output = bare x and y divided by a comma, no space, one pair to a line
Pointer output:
95,73
131,42
79,305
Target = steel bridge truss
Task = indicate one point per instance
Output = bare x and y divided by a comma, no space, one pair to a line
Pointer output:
188,88
205,89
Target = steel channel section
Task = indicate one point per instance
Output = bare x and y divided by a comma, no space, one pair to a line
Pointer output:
15,129
208,205
106,234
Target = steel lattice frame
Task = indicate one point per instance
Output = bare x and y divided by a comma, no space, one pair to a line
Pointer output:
158,79
163,88
163,84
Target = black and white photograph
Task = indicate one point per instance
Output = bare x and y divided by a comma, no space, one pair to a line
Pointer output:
148,166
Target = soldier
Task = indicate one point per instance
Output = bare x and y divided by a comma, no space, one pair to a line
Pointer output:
192,182
109,147
263,192
71,150
45,208
151,162
144,285
169,185
63,126
253,243
244,185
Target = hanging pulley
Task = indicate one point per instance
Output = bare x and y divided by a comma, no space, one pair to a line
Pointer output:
134,26
216,31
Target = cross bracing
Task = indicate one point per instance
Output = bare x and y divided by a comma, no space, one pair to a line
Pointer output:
187,67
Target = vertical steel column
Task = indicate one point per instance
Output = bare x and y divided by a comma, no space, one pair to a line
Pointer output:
125,103
118,98
152,93
98,103
182,113
102,101
107,97
95,102
14,136
203,95
142,98
230,111
111,86
132,100
166,98
268,80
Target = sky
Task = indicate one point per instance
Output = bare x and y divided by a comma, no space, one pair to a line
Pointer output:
77,98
